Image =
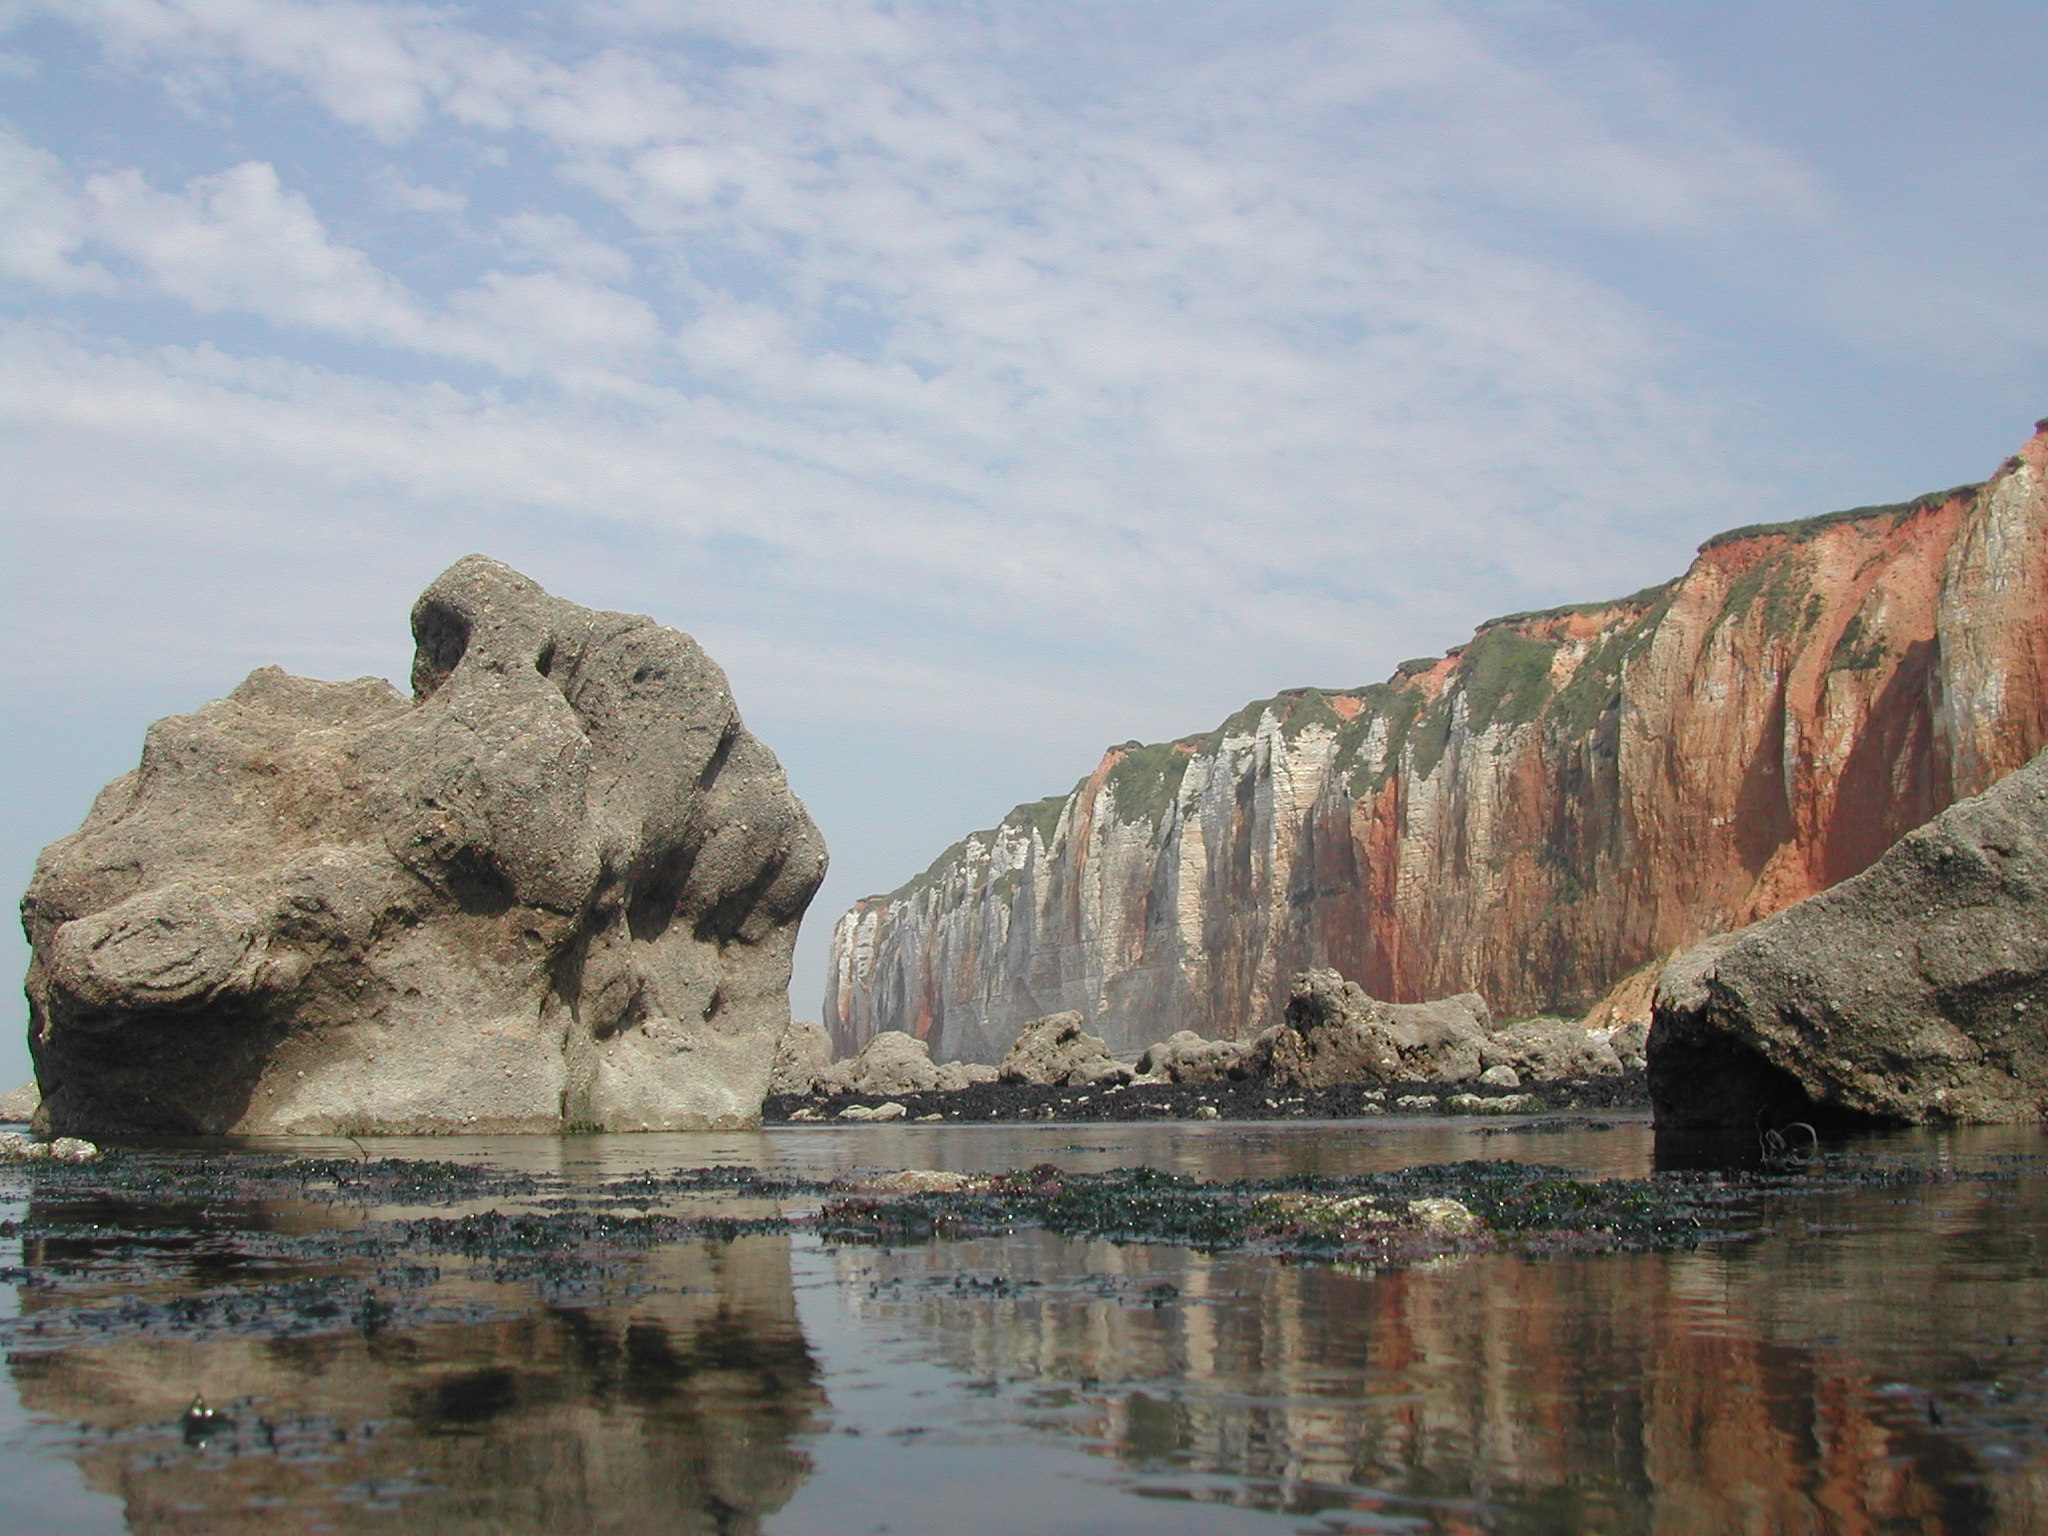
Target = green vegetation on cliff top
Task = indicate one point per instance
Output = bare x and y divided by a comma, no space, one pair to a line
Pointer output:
1801,529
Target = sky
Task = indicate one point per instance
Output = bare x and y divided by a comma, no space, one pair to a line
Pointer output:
981,384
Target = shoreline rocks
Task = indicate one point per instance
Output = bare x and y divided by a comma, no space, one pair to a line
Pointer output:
1227,1101
1337,1053
1057,1052
1915,992
557,889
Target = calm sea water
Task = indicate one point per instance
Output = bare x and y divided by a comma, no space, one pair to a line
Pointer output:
1873,1359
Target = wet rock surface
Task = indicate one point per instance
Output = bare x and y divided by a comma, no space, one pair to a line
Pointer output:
557,888
1917,991
1225,1100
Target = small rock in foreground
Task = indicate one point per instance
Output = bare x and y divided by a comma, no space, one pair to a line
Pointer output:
17,1148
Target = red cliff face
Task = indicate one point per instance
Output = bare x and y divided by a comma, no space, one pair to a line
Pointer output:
1563,799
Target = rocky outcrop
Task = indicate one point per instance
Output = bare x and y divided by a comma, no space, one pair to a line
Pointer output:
1056,1052
1333,1032
1550,1049
1570,796
1916,991
19,1107
1185,1057
556,888
892,1062
804,1056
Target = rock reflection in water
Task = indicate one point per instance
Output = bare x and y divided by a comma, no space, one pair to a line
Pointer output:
1877,1364
673,1408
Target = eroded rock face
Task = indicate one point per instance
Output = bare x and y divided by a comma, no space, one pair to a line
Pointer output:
1544,1050
1185,1057
892,1062
1056,1052
558,887
804,1056
1566,798
1917,991
1334,1032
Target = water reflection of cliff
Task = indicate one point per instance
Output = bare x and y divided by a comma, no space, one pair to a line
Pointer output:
673,1408
1845,1376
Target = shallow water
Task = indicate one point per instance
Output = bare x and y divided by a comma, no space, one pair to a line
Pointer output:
1871,1358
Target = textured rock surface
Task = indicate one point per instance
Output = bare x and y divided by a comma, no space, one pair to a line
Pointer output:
1548,1049
955,1075
1056,1051
804,1056
559,887
892,1062
1185,1057
1917,991
19,1107
1333,1032
1568,797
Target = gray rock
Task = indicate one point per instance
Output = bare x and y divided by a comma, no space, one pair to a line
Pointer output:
955,1075
1630,1043
17,1148
889,1111
1056,1051
1916,991
1545,1050
1501,1077
19,1107
1334,1032
1500,1104
1185,1057
892,1062
557,888
804,1055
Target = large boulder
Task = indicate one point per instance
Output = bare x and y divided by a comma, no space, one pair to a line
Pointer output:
556,888
1185,1057
1334,1032
891,1062
1058,1052
804,1056
1916,991
956,1075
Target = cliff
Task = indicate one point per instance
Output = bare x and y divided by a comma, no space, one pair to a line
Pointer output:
1566,797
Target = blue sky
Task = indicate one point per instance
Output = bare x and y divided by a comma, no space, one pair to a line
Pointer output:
981,384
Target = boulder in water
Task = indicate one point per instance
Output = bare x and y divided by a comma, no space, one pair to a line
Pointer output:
891,1062
1916,991
804,1056
1185,1057
1545,1050
1334,1032
1058,1052
556,888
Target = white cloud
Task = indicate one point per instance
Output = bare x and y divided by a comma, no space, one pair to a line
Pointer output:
41,226
1197,346
240,241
